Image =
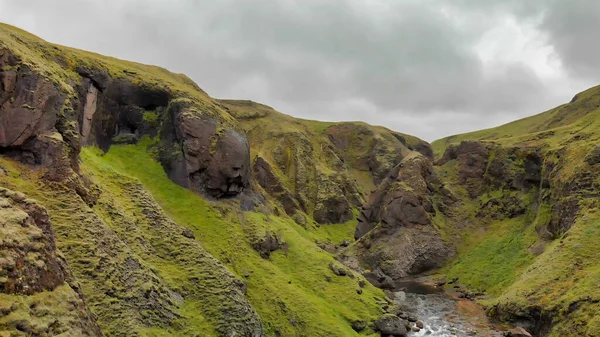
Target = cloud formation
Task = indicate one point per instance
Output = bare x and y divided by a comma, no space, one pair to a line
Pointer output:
426,67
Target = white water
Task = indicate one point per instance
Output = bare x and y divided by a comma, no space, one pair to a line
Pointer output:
440,316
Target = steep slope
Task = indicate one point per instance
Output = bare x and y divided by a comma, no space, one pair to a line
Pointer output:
161,211
319,169
527,222
149,189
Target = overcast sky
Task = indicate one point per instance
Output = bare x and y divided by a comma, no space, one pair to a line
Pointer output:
431,68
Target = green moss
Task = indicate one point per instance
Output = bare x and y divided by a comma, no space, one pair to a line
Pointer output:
496,262
291,285
56,310
151,118
336,233
60,65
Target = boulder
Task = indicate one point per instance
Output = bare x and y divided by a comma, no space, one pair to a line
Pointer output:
268,244
391,325
359,326
198,155
339,271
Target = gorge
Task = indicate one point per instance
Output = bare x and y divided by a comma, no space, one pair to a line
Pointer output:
134,204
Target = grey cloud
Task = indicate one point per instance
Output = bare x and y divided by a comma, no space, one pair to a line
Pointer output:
573,27
409,65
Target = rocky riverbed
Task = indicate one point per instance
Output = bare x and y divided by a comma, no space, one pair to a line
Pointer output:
442,314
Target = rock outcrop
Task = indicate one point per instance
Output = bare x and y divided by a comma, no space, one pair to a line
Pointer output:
391,325
395,233
30,103
199,153
323,170
269,243
31,265
270,182
200,147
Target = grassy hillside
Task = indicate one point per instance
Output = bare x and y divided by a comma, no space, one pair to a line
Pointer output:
533,250
150,257
572,122
294,291
290,291
315,162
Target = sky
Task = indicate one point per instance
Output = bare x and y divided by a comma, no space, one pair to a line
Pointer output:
431,68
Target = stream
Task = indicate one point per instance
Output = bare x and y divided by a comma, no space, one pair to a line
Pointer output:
442,314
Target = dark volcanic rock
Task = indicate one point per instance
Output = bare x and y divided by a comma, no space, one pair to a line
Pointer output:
391,325
29,103
196,155
395,232
268,244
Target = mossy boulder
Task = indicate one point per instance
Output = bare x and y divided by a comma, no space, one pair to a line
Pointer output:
391,325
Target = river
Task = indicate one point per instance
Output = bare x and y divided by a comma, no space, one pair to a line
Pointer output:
442,314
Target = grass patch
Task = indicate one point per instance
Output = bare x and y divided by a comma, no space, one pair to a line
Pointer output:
290,291
494,263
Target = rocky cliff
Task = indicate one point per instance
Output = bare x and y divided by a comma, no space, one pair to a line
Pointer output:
319,170
151,217
528,216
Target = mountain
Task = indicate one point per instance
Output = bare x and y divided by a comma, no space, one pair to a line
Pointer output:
134,204
130,208
528,222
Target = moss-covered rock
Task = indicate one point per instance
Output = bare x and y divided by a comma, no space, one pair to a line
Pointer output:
38,293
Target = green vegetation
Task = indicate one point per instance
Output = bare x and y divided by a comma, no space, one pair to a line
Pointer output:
319,161
154,259
56,310
61,65
572,122
496,261
291,291
538,265
151,118
290,287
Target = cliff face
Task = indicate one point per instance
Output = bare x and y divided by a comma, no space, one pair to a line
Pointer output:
152,218
319,170
396,234
54,101
530,191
